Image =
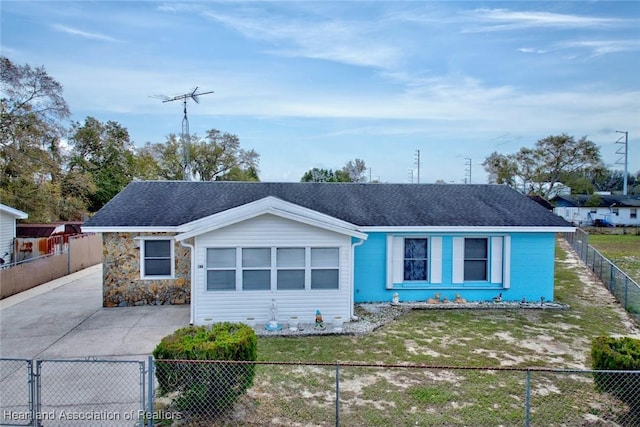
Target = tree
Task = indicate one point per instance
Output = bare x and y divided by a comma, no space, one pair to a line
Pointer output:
356,170
218,154
32,111
538,170
352,171
104,151
217,157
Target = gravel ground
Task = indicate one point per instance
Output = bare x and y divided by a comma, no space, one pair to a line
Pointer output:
371,316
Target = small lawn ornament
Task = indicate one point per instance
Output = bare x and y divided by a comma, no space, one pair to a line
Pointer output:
459,300
319,321
396,299
498,298
434,300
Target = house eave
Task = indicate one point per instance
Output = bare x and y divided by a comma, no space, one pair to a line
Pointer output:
16,213
129,229
467,229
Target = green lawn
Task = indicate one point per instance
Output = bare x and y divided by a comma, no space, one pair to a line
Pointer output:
623,250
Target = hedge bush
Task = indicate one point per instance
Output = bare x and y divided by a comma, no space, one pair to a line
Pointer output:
618,354
208,385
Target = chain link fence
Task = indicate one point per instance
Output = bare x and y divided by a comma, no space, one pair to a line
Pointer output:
621,285
399,395
223,393
16,392
89,392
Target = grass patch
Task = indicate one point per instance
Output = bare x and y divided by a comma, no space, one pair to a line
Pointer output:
622,249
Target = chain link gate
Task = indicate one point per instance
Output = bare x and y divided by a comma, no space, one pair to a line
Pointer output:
16,392
89,392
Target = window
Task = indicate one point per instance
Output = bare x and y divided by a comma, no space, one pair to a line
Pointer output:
475,259
221,269
615,211
324,268
290,268
633,213
256,269
416,259
157,258
264,269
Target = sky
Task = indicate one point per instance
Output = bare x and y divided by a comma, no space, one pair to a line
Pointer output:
319,83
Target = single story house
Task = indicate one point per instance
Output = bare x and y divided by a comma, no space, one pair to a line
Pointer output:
599,209
231,249
8,217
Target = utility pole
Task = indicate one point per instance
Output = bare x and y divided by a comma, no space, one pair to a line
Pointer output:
186,142
417,160
467,170
624,150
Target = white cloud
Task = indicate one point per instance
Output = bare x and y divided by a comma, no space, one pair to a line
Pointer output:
85,34
603,47
531,50
346,42
506,20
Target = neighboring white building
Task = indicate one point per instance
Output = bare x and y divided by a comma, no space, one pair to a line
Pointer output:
8,217
599,209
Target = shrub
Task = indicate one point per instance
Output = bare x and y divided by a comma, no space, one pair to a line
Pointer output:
618,354
205,366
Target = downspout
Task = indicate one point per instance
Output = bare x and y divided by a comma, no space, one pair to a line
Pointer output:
192,307
352,279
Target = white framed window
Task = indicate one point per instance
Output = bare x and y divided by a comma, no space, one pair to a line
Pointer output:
416,259
156,258
291,269
221,269
476,259
482,260
272,268
633,213
615,211
325,271
256,269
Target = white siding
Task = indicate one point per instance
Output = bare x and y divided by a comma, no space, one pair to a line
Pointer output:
7,234
269,231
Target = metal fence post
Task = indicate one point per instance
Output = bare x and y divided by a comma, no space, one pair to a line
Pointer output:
37,395
150,391
527,399
611,276
32,391
626,292
337,394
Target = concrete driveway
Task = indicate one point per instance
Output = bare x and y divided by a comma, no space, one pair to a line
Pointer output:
65,319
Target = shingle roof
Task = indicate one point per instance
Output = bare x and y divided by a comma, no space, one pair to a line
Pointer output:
172,203
604,200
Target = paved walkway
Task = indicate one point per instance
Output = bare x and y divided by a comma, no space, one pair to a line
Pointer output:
65,319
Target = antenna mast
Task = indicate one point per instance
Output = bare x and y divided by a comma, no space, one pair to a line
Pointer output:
186,141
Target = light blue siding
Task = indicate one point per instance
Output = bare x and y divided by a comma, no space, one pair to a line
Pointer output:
530,266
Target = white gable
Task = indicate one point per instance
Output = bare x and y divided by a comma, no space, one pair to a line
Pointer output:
268,205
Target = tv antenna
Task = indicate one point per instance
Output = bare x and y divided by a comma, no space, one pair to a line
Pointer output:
186,142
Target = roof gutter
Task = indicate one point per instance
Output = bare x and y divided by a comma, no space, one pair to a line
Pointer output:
352,272
192,305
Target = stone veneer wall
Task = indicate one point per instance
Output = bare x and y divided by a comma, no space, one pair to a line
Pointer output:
122,285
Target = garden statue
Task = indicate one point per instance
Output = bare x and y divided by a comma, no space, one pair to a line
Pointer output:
319,322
